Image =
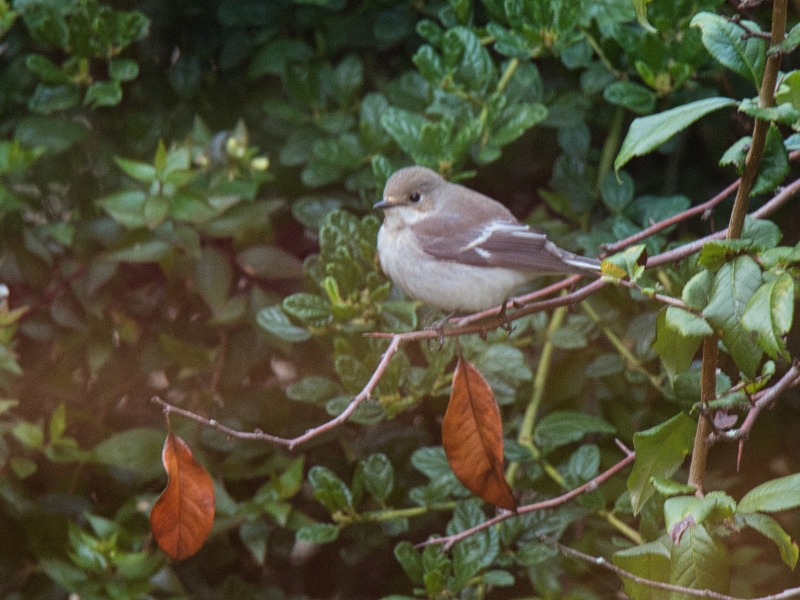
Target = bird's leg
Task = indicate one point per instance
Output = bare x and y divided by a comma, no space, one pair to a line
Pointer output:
502,314
439,327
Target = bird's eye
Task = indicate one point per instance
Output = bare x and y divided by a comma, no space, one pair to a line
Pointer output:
415,197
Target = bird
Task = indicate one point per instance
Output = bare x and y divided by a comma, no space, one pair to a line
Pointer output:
458,250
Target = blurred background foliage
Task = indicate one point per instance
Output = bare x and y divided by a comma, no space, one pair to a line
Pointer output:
185,210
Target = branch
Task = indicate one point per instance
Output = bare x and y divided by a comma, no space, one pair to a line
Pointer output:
781,198
790,379
599,560
292,443
479,323
449,541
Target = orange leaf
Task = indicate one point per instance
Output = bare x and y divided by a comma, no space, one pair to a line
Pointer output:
182,516
472,436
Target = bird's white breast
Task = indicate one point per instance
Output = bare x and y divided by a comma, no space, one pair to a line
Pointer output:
448,285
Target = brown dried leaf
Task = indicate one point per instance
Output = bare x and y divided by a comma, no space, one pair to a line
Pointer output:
182,516
472,436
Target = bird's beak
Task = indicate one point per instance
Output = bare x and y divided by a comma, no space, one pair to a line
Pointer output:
383,204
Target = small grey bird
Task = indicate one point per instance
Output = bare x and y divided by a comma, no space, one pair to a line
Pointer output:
458,250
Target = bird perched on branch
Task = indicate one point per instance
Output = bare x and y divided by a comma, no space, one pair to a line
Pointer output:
459,250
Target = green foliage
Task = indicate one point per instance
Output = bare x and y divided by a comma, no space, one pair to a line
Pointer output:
185,211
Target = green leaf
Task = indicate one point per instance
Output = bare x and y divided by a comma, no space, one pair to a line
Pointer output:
275,321
213,277
770,313
617,192
155,210
50,98
313,389
789,44
770,528
140,251
103,93
763,233
254,535
410,560
697,291
734,285
58,423
650,561
317,533
648,133
773,496
686,323
137,450
311,309
498,578
28,434
560,428
329,489
718,504
368,412
378,476
123,69
46,70
660,450
731,46
516,120
699,562
54,133
783,113
632,96
774,164
144,172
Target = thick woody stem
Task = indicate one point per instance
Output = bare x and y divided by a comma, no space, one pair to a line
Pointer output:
750,172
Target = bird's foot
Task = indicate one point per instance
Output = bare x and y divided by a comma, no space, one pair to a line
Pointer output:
438,326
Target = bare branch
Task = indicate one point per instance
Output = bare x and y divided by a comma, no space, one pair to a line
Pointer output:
449,541
599,560
311,433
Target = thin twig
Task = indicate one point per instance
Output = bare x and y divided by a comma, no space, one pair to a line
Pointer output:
292,443
673,220
589,486
791,378
781,198
600,561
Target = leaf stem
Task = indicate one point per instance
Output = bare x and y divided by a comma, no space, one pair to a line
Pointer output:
511,67
610,146
525,436
632,361
625,529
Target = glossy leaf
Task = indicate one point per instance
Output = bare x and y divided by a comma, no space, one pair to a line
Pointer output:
728,43
648,133
772,496
560,428
734,285
182,517
678,339
659,452
649,561
472,437
770,313
770,528
699,562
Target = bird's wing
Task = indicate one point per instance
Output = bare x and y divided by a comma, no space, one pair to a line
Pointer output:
501,243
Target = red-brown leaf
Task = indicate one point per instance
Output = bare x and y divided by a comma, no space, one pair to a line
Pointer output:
472,436
182,516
